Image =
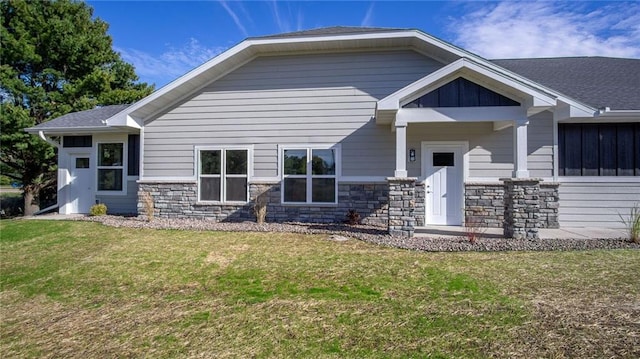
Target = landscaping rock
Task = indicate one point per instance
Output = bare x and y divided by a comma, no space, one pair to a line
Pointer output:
373,234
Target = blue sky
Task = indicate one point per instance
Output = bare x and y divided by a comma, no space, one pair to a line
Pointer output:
166,39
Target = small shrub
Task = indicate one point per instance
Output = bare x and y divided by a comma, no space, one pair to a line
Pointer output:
353,217
474,229
11,205
632,222
99,209
260,208
149,208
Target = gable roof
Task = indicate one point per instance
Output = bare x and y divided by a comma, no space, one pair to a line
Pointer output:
323,40
333,30
597,81
588,83
88,119
538,98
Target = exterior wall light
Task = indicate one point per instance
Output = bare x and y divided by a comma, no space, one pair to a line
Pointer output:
412,155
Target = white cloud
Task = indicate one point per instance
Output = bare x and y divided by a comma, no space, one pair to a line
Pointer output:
285,18
173,63
367,21
282,23
235,17
549,29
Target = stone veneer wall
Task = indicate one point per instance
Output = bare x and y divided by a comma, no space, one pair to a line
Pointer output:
402,202
421,204
484,204
180,200
521,208
549,204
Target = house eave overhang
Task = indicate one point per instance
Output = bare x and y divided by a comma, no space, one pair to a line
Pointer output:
149,107
630,115
123,119
54,131
536,97
533,98
601,116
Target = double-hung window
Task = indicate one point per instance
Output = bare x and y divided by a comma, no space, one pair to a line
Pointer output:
309,175
110,166
223,174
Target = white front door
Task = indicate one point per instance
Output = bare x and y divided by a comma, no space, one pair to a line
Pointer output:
444,181
81,184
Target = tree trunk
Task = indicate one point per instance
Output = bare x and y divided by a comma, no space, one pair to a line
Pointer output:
31,200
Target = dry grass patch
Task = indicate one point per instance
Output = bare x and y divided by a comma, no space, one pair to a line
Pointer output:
78,289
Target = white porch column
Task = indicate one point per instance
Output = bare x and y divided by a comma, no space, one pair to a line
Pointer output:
520,144
401,150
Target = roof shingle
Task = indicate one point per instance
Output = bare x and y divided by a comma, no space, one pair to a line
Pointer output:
328,31
88,118
596,81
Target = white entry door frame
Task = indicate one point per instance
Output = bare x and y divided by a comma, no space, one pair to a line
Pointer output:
81,183
445,167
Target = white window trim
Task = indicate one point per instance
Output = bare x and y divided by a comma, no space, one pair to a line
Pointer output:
598,179
222,175
309,147
125,157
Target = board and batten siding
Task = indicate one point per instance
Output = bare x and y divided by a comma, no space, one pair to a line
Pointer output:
490,151
281,100
597,204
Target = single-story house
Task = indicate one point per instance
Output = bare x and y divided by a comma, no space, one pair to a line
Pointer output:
401,127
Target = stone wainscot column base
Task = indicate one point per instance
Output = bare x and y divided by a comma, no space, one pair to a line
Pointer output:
402,203
521,207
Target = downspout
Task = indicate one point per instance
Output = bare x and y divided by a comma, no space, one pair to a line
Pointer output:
57,145
48,140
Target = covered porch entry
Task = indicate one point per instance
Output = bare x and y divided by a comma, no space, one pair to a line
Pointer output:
464,96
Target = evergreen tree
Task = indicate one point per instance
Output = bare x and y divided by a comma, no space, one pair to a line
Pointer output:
54,59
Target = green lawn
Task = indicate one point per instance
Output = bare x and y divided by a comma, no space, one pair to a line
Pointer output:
79,289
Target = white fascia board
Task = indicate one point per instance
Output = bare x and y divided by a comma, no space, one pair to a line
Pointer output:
458,114
567,110
424,85
408,34
392,102
121,116
626,115
501,125
124,120
68,130
539,97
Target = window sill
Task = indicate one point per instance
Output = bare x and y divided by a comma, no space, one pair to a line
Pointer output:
213,203
299,204
111,193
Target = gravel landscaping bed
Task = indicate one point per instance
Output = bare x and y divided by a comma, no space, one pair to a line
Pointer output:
373,234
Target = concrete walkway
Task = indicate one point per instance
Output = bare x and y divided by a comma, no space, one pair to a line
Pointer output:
545,233
55,216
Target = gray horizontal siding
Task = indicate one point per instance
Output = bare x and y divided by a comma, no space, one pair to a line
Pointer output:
596,204
490,152
540,145
328,98
279,100
127,204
